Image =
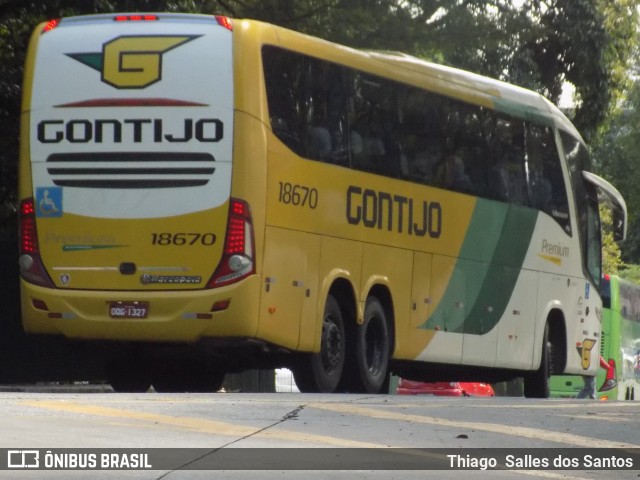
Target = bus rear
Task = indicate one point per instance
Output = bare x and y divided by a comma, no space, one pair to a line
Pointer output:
129,230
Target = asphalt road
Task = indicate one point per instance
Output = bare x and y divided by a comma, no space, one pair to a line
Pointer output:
205,428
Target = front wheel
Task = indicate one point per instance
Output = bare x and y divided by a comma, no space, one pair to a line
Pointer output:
321,372
536,384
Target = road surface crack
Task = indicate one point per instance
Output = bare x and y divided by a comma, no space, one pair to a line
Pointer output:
292,415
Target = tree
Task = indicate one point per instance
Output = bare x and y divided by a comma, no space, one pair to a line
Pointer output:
611,256
617,156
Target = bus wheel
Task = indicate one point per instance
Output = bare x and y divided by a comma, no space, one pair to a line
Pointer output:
321,372
127,378
372,349
536,384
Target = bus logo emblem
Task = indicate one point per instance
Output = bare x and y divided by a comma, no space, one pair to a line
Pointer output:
584,351
132,61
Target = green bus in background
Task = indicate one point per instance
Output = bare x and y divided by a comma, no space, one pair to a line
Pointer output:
620,345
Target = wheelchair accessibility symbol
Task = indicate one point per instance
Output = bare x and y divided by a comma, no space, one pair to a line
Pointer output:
49,202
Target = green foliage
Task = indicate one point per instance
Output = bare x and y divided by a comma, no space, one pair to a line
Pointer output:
611,256
617,155
631,273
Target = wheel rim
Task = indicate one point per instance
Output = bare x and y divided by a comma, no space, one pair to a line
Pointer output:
332,345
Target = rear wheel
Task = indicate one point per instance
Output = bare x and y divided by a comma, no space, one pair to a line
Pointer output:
536,384
372,348
321,372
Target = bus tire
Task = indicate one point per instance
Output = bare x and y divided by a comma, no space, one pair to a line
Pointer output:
371,349
321,372
536,384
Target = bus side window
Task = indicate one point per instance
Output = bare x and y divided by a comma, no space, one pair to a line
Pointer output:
539,182
283,80
546,183
586,199
506,178
366,123
307,99
326,112
423,138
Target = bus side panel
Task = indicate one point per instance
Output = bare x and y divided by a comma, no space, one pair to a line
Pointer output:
517,326
290,286
416,338
479,336
445,346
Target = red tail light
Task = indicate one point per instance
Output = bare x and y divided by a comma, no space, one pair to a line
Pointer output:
238,258
31,267
224,22
610,380
135,18
50,25
28,235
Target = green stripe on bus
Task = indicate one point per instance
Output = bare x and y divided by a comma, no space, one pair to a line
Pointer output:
486,272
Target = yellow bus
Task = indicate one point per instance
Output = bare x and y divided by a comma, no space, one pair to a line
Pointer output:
202,195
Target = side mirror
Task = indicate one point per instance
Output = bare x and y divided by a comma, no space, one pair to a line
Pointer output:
610,195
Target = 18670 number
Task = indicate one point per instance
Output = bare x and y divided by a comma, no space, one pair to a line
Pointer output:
298,195
179,239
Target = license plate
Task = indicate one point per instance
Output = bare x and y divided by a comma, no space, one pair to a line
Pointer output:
128,309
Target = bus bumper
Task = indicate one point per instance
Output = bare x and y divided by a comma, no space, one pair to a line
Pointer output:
173,316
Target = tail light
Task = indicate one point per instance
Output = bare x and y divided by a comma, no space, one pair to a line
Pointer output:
224,22
610,380
31,266
135,18
50,25
238,258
